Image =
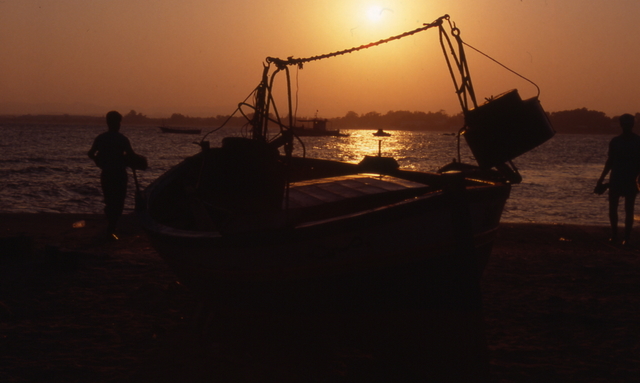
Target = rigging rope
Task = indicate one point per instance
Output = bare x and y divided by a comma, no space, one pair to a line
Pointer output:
280,63
505,67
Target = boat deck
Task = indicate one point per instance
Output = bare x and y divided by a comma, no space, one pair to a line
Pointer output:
333,190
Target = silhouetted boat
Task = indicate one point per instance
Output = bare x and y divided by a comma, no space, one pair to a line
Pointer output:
381,133
318,128
166,129
248,226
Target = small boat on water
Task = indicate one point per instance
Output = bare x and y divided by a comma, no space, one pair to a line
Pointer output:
166,129
318,129
381,133
248,225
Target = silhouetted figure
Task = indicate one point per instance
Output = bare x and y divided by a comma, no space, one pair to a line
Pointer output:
624,163
109,151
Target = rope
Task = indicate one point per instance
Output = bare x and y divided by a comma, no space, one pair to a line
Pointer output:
238,109
505,67
280,63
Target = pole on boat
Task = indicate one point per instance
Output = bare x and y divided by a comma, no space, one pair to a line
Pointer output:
139,199
260,116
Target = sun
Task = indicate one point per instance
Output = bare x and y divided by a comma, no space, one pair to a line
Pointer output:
375,13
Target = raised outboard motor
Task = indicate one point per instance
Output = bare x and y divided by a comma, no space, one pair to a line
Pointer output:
506,127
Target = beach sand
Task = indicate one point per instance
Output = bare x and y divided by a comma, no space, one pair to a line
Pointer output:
559,304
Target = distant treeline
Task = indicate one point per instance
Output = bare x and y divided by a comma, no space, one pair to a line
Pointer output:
131,118
568,121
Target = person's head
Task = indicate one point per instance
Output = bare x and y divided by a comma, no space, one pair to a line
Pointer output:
113,121
626,122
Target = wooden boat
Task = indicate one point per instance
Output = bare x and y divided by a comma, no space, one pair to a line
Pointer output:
318,129
249,226
337,237
381,133
166,129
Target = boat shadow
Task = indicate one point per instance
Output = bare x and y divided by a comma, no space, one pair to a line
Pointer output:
442,341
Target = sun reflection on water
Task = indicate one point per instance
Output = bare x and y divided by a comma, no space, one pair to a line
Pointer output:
412,150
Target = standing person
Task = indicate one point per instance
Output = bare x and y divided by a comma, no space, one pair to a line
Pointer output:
109,151
624,163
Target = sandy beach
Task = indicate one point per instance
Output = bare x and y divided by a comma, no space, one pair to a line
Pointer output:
559,304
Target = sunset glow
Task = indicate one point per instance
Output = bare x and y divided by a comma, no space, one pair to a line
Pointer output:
375,13
201,58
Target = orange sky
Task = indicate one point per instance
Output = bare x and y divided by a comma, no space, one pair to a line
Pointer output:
202,57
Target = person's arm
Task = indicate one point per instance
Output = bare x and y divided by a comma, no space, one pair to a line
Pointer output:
605,171
92,152
128,150
607,165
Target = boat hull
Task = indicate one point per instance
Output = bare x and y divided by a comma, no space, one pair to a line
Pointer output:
399,255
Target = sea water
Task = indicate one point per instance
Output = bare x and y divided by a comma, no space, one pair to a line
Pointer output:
45,168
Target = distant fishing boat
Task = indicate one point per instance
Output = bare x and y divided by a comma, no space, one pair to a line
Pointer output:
318,128
248,225
165,129
381,133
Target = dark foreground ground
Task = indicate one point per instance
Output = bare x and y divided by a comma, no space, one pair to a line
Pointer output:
559,305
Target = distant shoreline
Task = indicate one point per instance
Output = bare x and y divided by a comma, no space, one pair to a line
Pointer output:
579,121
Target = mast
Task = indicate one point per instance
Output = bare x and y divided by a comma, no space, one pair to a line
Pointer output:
260,117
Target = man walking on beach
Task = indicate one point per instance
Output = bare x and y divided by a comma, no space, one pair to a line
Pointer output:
109,151
624,163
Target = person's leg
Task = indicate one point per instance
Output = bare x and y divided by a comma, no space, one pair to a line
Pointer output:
614,200
629,204
114,187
